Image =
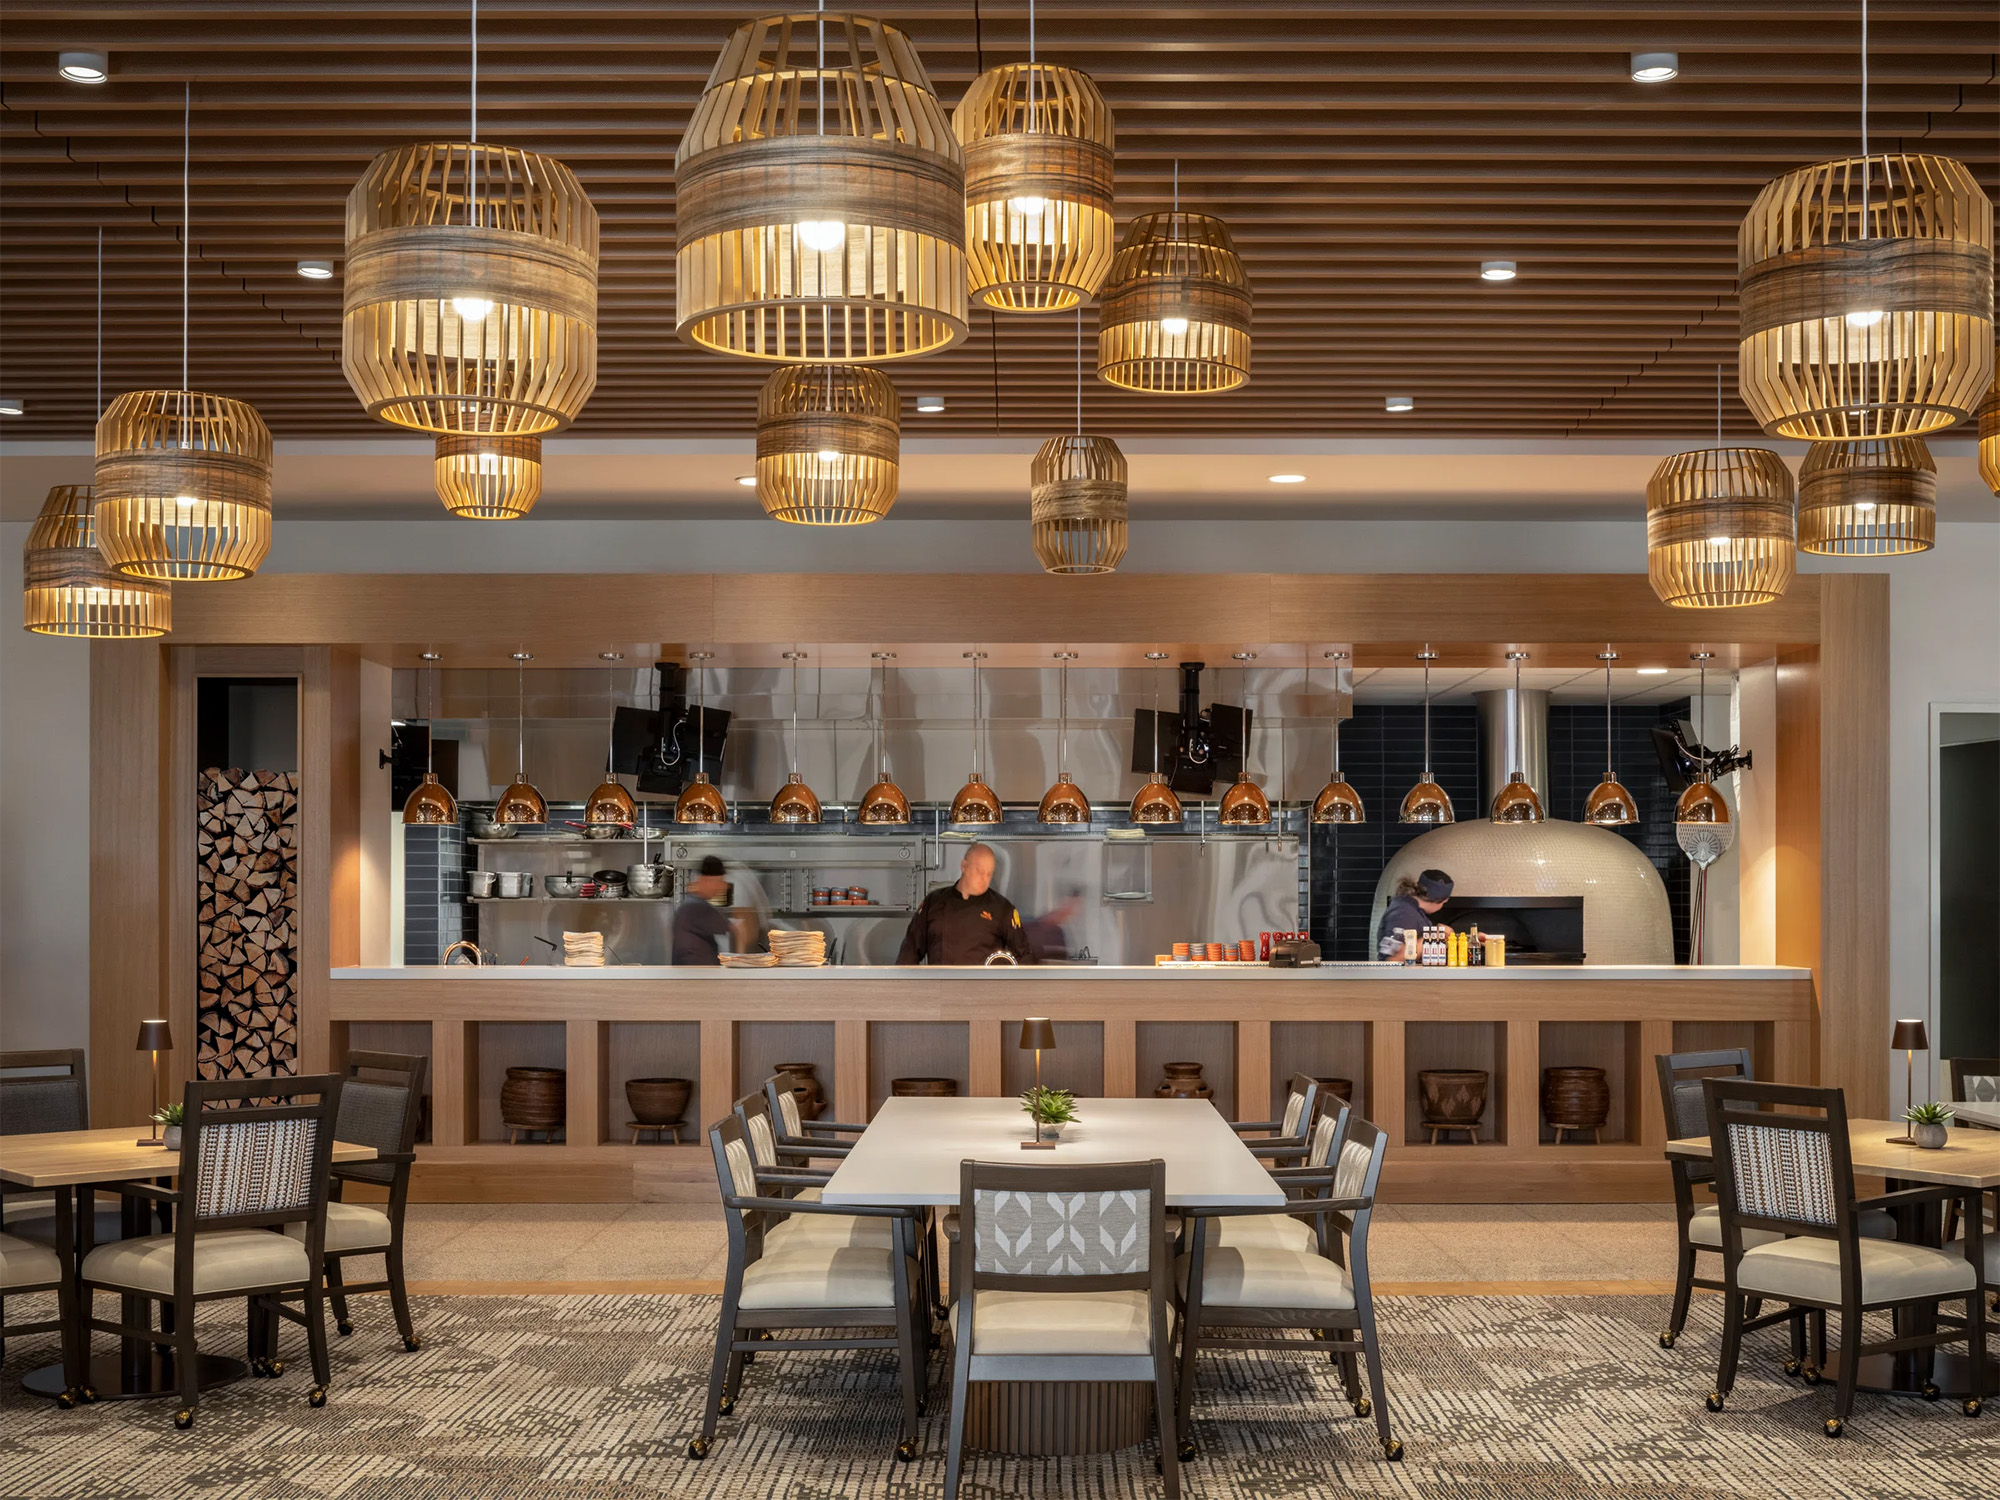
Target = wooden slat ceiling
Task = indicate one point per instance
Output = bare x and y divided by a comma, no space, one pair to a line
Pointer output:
1367,156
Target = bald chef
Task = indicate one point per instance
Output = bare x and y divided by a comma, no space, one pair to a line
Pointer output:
966,923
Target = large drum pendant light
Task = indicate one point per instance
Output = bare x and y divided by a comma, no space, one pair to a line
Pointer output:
1989,435
829,444
183,477
1338,802
820,199
471,287
1064,802
1077,496
521,802
1174,315
1244,805
1517,801
1866,294
976,804
884,801
700,802
1155,803
1721,525
1874,498
1427,802
429,805
488,476
1609,804
609,805
794,802
1039,144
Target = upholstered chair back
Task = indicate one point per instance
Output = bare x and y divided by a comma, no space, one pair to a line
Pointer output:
42,1092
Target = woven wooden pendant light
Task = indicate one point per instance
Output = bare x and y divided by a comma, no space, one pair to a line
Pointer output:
1721,526
1874,498
183,477
471,287
820,199
1174,315
1989,434
69,589
1077,496
829,444
488,476
1039,144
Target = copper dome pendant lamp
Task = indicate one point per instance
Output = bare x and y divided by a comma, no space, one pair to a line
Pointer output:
1609,804
1427,802
884,802
1338,802
1155,804
1702,825
1721,525
1174,315
1064,803
794,802
520,803
700,802
183,478
429,804
1517,801
1244,805
976,804
609,806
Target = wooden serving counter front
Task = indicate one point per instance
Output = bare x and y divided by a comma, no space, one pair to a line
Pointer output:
1115,1027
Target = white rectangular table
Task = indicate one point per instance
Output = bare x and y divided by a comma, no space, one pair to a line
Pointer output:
911,1151
1977,1114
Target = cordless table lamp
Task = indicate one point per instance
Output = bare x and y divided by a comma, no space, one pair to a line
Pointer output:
154,1037
1037,1032
1909,1038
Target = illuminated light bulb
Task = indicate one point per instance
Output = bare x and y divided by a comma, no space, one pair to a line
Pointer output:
187,502
472,309
1029,208
1864,505
1718,541
748,481
1655,67
1497,270
489,463
1867,319
827,456
1399,403
1173,327
821,234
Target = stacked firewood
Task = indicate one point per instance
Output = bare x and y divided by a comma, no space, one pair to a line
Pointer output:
246,884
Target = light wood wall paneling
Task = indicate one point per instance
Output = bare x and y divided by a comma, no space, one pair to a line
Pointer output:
849,1093
374,832
1391,1102
515,1044
716,1090
1854,839
1253,1069
1319,1049
1121,1058
1077,1064
129,833
915,1049
454,1066
1798,816
1519,1109
1656,1039
330,836
585,1044
985,1068
1791,1051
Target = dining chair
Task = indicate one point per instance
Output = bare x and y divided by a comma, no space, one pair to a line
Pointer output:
1286,1138
798,1135
1792,1173
25,1267
42,1092
254,1158
1236,1280
381,1098
840,1290
1976,1080
1062,1274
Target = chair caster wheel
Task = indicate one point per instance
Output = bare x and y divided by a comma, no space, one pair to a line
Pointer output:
67,1401
697,1448
87,1394
1972,1406
725,1406
1835,1427
765,1335
1393,1450
316,1396
1714,1402
1793,1366
907,1451
1667,1339
1811,1375
344,1329
940,1313
1930,1391
412,1344
1187,1450
1364,1407
184,1419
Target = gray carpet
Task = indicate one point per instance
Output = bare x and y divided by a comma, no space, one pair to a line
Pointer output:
533,1398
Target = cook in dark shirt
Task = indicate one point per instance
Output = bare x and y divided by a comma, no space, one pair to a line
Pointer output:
1413,906
698,921
968,922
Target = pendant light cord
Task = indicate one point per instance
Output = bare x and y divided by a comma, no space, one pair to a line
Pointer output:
521,719
429,723
1865,163
187,152
475,72
1157,670
820,70
795,714
611,720
1427,709
100,321
975,716
1609,657
1079,369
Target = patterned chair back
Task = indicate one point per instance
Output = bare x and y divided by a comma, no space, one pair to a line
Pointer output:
1357,1169
1789,1171
1063,1228
736,1177
381,1111
42,1092
255,1151
1302,1103
1681,1075
784,1105
1974,1080
754,1110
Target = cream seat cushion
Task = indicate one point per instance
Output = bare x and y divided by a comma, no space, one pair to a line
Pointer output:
1115,1322
24,1263
1705,1228
1249,1276
224,1259
832,1230
1262,1232
350,1226
808,1275
1810,1268
36,1205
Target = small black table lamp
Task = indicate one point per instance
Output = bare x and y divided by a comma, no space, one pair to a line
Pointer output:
1037,1032
1909,1038
154,1037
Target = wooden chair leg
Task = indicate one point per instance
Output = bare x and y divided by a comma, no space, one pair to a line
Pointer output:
1190,1346
961,1366
720,1370
1975,1351
1371,1353
1683,1291
1163,1406
1731,1351
1850,1370
336,1293
315,1311
399,1293
187,1364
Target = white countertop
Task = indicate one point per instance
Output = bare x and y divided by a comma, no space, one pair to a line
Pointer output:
1093,973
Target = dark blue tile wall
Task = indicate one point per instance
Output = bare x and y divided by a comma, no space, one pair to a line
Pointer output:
434,911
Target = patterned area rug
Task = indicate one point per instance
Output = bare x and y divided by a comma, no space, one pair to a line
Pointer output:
593,1398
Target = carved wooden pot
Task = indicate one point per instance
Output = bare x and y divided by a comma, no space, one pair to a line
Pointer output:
1452,1096
1183,1081
806,1088
658,1101
1576,1098
533,1098
923,1088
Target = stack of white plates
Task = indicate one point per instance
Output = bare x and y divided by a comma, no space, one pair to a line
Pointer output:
799,950
749,960
583,950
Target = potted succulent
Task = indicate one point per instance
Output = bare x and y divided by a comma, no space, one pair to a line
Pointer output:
169,1115
1050,1109
1927,1124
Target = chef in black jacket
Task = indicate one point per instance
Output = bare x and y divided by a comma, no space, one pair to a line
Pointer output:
968,922
1413,906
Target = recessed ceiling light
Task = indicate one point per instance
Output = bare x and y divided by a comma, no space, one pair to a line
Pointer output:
316,270
430,656
1400,403
1655,67
1497,270
930,403
748,481
11,406
1288,479
84,67
611,656
1652,671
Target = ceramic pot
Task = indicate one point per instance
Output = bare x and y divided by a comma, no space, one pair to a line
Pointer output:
1050,1130
1183,1081
807,1088
1452,1096
1341,1088
534,1098
658,1101
1576,1098
923,1088
1930,1137
171,1134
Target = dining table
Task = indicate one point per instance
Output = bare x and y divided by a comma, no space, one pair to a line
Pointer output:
910,1155
79,1162
1970,1158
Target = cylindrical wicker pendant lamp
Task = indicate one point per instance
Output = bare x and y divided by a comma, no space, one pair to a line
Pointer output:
1874,498
1866,291
1076,502
488,476
471,290
1989,434
69,589
1174,315
1038,142
820,199
829,444
1720,528
183,486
